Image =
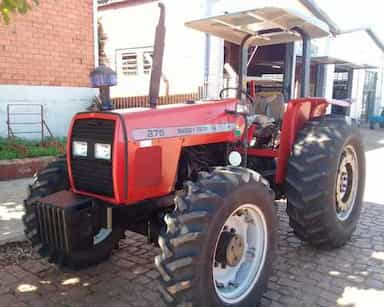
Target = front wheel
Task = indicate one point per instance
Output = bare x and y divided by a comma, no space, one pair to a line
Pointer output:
50,180
220,239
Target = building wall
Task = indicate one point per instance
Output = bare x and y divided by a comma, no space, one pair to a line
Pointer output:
59,105
45,58
364,53
357,93
51,45
131,27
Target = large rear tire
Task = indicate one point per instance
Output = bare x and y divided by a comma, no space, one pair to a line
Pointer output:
325,182
220,239
52,179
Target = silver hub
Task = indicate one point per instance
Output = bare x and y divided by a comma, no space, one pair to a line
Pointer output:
347,182
104,232
240,253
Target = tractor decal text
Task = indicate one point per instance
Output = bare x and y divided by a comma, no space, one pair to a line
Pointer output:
168,132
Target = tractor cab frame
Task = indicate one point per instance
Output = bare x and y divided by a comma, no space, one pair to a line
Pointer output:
262,27
269,26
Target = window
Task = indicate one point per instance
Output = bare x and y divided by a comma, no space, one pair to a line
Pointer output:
134,62
129,64
147,62
341,76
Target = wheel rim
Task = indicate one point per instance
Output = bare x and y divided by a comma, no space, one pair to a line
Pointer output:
234,281
347,183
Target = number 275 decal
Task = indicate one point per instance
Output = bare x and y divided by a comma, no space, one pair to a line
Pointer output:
153,133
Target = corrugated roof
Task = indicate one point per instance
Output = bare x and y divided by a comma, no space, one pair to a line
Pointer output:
267,25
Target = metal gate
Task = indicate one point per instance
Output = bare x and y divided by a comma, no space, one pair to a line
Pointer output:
23,119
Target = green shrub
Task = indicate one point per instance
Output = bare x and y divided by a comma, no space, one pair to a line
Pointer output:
21,148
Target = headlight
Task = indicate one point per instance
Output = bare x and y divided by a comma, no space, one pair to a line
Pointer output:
235,158
79,149
103,151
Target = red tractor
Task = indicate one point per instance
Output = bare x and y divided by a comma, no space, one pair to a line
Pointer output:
200,178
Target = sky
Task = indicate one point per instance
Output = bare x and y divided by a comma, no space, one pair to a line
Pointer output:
349,14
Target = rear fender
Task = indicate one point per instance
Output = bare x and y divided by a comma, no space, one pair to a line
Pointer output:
298,112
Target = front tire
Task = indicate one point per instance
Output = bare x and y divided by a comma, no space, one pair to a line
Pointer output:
325,182
52,179
220,240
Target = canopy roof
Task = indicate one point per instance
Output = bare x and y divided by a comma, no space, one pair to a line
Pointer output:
269,25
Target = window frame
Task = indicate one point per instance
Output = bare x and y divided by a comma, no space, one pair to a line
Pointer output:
142,69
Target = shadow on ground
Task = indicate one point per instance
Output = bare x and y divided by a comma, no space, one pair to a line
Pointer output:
302,276
350,276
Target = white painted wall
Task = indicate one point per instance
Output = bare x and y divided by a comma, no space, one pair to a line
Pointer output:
185,55
60,104
329,75
357,48
357,93
134,27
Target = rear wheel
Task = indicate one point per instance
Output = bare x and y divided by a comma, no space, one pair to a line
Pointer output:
325,182
50,180
219,243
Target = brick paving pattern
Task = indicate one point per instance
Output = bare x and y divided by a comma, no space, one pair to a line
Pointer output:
302,276
12,194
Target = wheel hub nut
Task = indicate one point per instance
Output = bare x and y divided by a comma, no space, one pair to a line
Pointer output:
230,249
235,250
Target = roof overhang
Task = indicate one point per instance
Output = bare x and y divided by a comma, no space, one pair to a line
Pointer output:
342,64
268,25
327,60
348,66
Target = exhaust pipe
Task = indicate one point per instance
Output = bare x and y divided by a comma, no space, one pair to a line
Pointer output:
157,64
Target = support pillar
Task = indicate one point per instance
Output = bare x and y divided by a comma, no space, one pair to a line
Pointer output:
289,71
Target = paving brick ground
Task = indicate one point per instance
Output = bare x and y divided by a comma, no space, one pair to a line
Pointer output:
302,276
12,194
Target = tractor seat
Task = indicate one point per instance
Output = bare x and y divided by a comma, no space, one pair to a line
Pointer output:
265,129
271,105
269,111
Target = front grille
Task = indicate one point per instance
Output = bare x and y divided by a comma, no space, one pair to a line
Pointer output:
90,174
51,226
64,221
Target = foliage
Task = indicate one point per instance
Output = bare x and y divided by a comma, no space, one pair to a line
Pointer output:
15,6
21,148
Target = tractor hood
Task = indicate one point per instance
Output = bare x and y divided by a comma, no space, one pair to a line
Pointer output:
128,155
269,25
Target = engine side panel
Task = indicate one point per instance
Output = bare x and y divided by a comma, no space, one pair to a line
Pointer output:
169,129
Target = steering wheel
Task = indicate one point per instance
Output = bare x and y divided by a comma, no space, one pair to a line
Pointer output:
249,97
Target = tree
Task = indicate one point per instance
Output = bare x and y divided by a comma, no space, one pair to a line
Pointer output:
15,6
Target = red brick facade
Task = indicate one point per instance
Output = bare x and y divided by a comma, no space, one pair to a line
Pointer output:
52,45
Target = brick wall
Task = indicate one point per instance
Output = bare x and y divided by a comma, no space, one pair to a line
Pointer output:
51,45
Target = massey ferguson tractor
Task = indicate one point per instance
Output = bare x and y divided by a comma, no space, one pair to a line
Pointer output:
200,178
